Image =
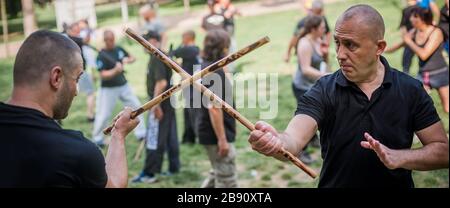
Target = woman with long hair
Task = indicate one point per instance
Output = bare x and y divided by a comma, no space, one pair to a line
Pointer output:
216,129
311,63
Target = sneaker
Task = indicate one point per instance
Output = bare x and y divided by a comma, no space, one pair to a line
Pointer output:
90,120
305,157
144,178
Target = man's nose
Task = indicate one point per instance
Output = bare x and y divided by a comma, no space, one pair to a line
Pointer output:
341,53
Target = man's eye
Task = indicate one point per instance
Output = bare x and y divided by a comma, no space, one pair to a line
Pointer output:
351,46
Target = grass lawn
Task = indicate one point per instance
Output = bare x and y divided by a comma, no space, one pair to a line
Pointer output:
254,169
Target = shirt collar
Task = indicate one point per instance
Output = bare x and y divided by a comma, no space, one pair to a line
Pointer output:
387,80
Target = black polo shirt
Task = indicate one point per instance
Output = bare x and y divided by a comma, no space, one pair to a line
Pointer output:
397,109
36,152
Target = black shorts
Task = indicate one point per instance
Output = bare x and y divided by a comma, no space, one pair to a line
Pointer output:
434,79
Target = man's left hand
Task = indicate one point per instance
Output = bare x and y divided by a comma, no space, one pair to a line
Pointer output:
389,157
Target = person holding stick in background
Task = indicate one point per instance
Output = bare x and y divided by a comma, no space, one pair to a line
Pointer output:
114,86
367,114
34,150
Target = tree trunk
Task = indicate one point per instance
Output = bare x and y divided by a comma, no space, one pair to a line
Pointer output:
5,26
29,19
186,6
124,10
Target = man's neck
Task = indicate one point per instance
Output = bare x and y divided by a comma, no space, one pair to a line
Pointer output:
189,43
369,85
21,97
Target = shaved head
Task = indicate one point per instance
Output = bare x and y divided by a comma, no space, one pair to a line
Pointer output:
364,17
42,51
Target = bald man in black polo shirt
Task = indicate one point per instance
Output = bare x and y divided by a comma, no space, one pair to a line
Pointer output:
366,112
34,150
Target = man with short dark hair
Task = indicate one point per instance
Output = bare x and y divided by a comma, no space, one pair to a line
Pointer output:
367,114
34,150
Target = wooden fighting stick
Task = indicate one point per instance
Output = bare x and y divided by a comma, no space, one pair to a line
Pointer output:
211,68
214,98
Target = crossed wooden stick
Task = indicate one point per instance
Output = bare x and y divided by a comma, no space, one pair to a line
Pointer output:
188,80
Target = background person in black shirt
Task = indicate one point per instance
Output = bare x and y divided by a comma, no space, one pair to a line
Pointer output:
189,53
114,86
217,129
367,114
34,150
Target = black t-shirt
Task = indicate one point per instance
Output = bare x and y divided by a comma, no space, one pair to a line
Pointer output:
213,22
397,109
301,23
36,152
156,71
106,60
406,14
190,56
221,86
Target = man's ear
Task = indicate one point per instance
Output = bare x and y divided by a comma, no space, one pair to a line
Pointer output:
56,75
381,46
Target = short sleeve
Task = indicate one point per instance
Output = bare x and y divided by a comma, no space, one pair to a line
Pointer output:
100,64
424,112
160,71
122,53
312,103
177,52
92,168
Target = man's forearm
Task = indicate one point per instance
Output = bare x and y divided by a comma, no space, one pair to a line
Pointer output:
160,86
429,157
288,144
291,45
116,162
109,74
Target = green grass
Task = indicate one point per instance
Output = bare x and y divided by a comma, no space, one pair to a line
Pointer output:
254,170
